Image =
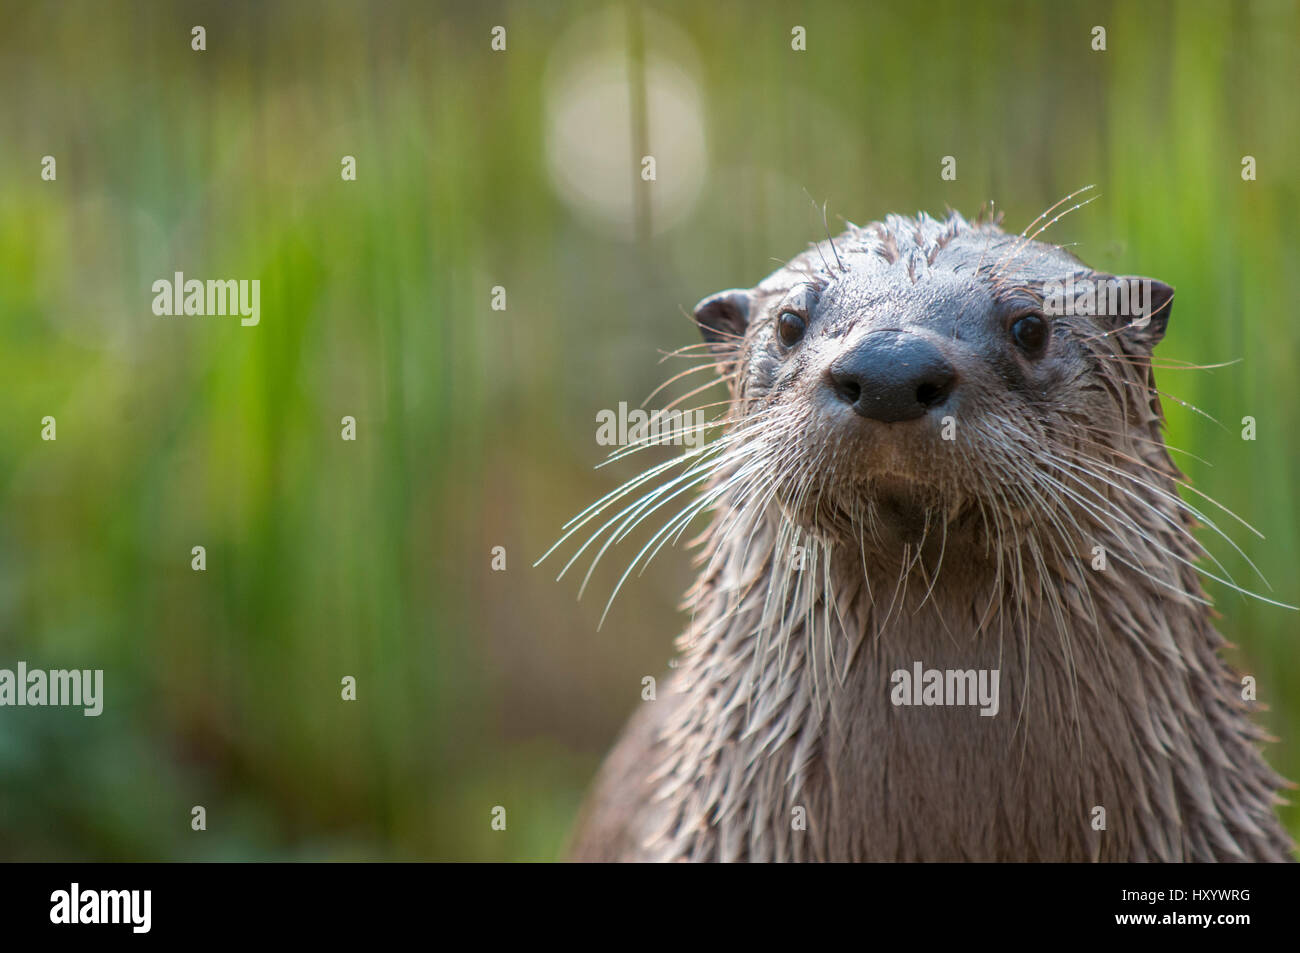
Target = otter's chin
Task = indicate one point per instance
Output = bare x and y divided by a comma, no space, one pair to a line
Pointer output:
905,510
894,512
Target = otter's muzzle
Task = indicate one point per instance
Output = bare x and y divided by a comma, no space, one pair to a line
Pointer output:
892,376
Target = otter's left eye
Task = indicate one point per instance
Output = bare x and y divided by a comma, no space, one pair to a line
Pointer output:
790,327
1030,334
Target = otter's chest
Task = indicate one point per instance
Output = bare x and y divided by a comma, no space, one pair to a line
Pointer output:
942,748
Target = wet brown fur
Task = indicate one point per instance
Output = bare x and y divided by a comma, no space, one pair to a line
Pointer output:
970,554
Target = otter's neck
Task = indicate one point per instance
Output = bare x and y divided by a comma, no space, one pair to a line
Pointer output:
1117,731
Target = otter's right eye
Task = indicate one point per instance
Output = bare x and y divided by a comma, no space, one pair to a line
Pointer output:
790,328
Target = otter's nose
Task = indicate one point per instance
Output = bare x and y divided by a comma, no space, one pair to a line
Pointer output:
892,376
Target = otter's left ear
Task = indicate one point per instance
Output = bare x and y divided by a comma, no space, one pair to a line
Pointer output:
724,317
1150,303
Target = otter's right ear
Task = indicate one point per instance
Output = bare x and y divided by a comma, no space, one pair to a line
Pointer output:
723,317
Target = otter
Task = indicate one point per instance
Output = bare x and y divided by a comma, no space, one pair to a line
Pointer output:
941,475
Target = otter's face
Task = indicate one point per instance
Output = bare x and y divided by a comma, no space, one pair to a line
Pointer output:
915,367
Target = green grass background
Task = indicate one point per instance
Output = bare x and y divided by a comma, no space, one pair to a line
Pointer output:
476,427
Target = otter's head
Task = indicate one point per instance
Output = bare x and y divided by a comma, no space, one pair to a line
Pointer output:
914,372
